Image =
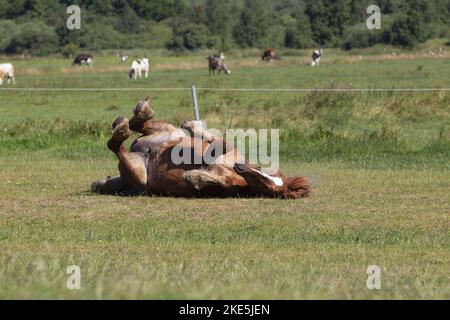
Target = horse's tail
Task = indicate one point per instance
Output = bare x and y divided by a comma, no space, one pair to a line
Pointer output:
298,187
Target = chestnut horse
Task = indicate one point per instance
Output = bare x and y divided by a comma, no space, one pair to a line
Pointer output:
149,168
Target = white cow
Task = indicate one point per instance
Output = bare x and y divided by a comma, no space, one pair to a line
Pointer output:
7,72
137,67
122,58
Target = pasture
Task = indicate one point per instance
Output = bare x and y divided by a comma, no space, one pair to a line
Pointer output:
380,164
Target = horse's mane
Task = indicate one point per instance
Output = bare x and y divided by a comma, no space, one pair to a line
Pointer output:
298,187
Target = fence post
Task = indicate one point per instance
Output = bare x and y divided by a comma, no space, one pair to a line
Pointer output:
194,99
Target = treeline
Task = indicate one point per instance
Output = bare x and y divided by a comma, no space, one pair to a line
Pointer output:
38,27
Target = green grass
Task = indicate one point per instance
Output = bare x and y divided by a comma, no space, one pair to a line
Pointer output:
379,163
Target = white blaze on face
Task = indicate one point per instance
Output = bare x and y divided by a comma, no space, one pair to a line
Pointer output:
276,180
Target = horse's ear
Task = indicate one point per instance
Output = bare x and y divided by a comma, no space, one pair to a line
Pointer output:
148,99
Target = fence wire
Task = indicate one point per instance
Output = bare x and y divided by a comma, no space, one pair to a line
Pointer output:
256,90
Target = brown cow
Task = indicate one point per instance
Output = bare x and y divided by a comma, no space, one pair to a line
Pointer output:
268,54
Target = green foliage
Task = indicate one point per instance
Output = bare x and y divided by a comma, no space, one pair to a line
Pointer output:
190,37
298,32
70,50
220,21
222,25
359,37
33,37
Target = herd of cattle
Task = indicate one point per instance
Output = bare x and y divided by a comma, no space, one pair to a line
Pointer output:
141,67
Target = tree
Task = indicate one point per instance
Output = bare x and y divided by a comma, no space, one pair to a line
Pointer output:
33,37
298,31
411,28
189,37
253,23
221,20
158,10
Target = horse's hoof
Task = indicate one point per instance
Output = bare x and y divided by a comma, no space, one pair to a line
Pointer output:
95,186
143,110
142,113
121,130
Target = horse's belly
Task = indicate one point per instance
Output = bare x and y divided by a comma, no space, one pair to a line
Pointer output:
144,146
169,182
149,143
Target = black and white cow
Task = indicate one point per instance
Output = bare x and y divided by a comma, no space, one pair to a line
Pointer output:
316,57
83,59
217,63
137,67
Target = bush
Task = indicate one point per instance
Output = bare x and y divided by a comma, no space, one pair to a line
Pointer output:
296,39
7,28
33,37
70,50
191,37
100,36
359,36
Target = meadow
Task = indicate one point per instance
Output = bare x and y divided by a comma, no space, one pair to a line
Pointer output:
379,162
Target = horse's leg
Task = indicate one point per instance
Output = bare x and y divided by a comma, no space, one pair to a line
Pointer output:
215,176
198,130
221,152
108,186
142,114
132,166
113,186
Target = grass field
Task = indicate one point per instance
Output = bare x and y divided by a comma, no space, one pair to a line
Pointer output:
380,164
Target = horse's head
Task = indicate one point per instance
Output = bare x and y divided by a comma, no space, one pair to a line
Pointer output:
131,73
258,179
142,113
273,184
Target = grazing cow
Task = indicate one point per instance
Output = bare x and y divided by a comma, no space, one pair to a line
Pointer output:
316,57
137,67
153,172
122,58
7,72
81,59
217,63
268,54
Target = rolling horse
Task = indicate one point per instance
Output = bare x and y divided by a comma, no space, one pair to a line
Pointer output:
148,168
